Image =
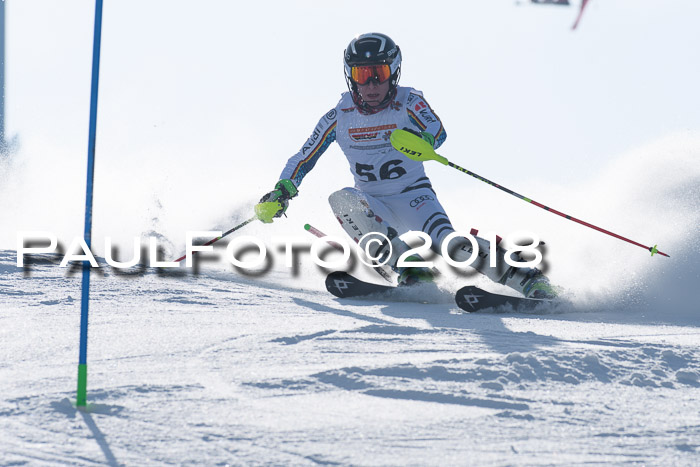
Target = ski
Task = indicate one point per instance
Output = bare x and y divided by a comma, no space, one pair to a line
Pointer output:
343,285
471,299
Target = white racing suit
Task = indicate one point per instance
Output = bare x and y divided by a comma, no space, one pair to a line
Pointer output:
392,194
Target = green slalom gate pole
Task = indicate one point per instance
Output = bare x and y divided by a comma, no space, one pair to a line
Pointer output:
81,400
416,148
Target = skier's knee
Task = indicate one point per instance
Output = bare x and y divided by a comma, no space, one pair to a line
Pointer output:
345,200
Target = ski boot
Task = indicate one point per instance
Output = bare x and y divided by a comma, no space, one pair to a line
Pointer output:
536,285
409,275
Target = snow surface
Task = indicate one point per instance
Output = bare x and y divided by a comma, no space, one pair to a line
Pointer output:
219,368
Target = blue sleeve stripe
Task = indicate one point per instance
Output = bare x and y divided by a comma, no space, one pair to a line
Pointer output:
308,163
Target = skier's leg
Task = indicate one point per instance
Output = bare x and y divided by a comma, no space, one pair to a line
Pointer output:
360,214
421,210
528,281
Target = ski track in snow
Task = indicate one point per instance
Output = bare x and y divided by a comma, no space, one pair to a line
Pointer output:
222,369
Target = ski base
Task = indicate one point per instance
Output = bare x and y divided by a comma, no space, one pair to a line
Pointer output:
471,299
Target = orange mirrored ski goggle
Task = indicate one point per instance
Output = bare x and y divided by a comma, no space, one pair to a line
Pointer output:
362,74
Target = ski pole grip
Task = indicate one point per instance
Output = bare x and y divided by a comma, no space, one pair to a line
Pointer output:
414,147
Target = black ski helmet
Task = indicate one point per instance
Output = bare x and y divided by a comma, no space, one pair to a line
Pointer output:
372,49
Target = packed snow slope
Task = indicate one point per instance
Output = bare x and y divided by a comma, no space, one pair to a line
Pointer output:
218,368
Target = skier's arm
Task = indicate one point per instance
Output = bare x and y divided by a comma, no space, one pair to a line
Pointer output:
275,203
425,120
303,161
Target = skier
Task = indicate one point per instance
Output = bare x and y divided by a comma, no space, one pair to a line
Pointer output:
392,193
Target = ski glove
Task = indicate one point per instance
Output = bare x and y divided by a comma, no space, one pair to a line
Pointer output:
423,134
275,203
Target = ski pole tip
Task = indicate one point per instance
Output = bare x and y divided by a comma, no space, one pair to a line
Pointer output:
307,226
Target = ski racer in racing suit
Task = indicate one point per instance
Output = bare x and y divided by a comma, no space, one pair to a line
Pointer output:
392,194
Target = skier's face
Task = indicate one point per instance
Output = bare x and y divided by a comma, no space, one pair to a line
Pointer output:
373,93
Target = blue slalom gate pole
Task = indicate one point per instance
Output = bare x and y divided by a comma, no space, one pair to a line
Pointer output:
85,295
3,144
